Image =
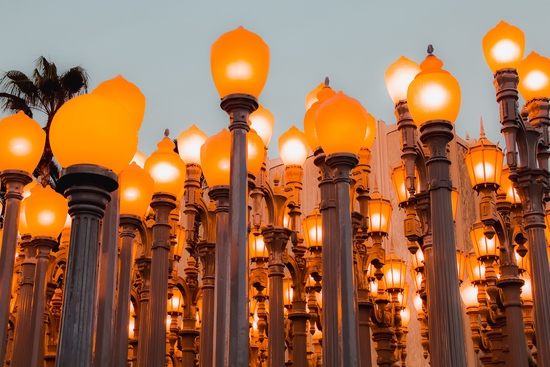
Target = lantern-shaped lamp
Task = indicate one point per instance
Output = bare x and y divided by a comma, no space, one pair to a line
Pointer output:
215,154
136,188
175,303
469,294
309,118
503,46
418,260
484,247
263,121
476,269
417,301
484,163
293,147
258,249
534,77
311,97
313,230
166,168
46,212
379,212
417,279
523,263
189,145
508,188
454,202
405,316
394,273
398,77
526,290
288,292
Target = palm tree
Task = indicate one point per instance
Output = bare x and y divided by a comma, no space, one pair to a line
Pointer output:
46,92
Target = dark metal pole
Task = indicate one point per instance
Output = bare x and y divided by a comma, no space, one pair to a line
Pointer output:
87,188
299,317
365,309
444,303
14,181
207,253
144,267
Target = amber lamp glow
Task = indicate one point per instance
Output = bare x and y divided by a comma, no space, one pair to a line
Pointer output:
21,143
93,129
341,124
417,301
189,145
507,186
370,135
398,77
460,264
534,77
526,290
379,212
395,270
166,168
46,212
22,226
405,316
399,179
476,269
293,147
239,61
258,249
263,122
136,188
311,97
417,280
139,158
309,118
523,263
175,303
418,260
484,162
215,154
288,292
469,294
485,248
503,46
312,229
454,202
255,152
434,94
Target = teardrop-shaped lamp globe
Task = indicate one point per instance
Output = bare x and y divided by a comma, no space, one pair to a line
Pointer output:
136,189
215,159
166,168
46,212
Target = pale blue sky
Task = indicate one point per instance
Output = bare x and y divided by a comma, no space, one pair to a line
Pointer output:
164,48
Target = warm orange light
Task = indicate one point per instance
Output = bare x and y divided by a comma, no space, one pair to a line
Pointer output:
166,168
136,188
239,61
93,129
255,152
258,249
288,292
370,135
293,147
311,97
175,302
263,122
215,154
418,303
139,158
309,118
418,260
534,77
21,143
341,124
484,162
503,46
507,186
22,225
131,327
189,145
476,269
434,94
523,263
27,188
469,294
399,178
313,229
127,94
460,264
454,202
46,212
398,77
405,316
417,280
379,212
526,290
395,270
485,248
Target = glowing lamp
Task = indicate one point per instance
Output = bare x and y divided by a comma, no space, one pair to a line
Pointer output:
166,168
507,186
263,122
417,301
258,249
22,225
93,129
341,124
484,248
136,188
311,97
417,280
168,323
405,316
503,46
476,269
403,296
293,147
131,327
484,163
215,154
239,61
460,264
139,158
534,77
398,77
395,270
175,303
526,290
189,145
313,230
27,189
288,292
309,118
370,135
46,212
454,202
418,260
434,94
255,152
469,294
379,212
127,94
21,143
524,265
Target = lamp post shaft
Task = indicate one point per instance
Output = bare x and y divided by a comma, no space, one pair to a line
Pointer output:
144,266
444,303
206,347
365,358
299,317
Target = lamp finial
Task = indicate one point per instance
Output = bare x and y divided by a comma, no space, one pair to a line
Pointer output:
166,132
430,49
327,81
481,128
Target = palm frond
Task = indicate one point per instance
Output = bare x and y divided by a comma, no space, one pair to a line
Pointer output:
12,103
17,83
74,81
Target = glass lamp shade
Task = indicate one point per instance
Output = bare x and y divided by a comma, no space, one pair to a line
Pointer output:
93,129
166,168
370,135
417,280
534,77
484,248
139,158
313,229
398,77
469,294
263,122
27,189
418,303
526,290
189,145
476,269
288,292
399,179
131,327
175,303
503,46
46,212
523,263
395,270
258,249
403,296
379,212
434,94
454,202
127,94
311,97
341,124
460,264
418,260
293,147
405,316
21,143
239,61
484,163
309,118
215,153
22,225
136,188
255,152
507,186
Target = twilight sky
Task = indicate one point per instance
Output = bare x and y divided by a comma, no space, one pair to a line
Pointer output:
164,48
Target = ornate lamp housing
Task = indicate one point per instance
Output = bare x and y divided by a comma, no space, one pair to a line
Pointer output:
263,121
293,147
309,118
136,188
21,143
469,294
508,188
503,46
379,213
312,229
485,248
190,142
258,249
166,168
239,61
175,303
394,270
405,316
476,269
398,76
417,260
399,179
484,163
45,212
534,77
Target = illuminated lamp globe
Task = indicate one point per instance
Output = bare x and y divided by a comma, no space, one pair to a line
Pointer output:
484,247
507,186
21,143
379,214
476,269
395,273
257,247
309,118
454,202
526,290
27,189
166,168
175,303
405,316
341,124
136,188
139,158
469,294
434,94
263,122
239,62
293,147
127,94
46,212
417,301
484,163
534,77
398,77
189,145
311,97
215,159
22,225
503,46
255,152
313,230
93,129
370,135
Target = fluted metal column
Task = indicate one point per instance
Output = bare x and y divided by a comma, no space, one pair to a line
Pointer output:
299,317
444,302
365,309
162,204
14,181
87,188
188,334
206,348
144,267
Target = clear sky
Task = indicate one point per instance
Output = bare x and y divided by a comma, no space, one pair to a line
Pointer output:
164,48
